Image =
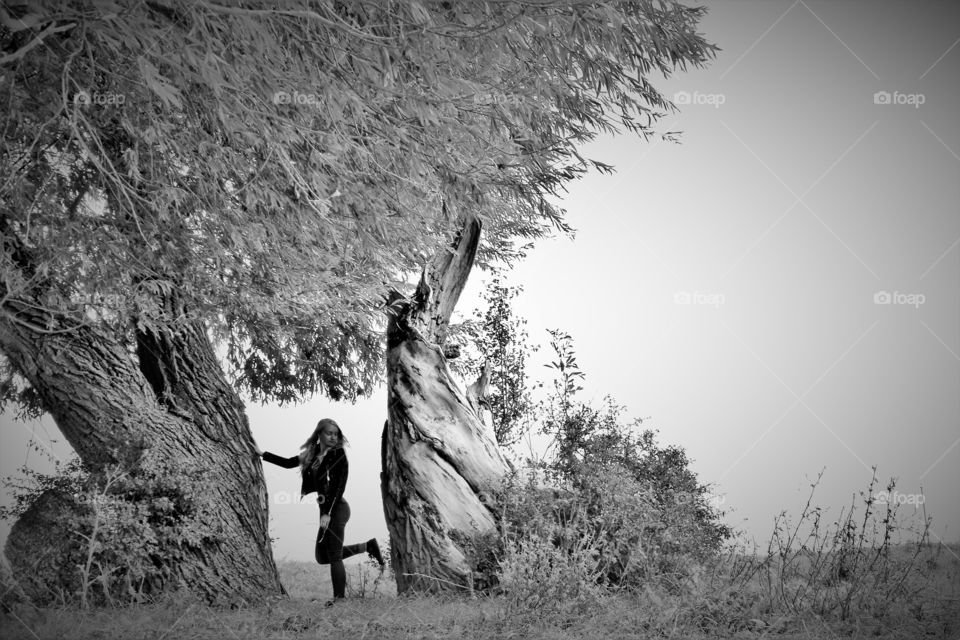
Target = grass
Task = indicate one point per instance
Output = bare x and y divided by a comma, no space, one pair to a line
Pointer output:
865,575
721,602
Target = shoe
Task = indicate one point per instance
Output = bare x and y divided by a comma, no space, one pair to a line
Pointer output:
373,548
330,603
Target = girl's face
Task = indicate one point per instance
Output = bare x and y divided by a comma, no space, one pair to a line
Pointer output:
329,437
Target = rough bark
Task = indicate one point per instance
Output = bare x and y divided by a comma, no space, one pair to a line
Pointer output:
439,461
94,388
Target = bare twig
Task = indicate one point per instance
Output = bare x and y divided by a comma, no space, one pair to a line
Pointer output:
25,49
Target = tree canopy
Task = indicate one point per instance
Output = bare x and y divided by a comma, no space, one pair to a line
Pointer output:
276,170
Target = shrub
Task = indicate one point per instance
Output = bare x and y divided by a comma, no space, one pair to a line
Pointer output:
587,439
609,510
561,549
495,340
544,556
108,537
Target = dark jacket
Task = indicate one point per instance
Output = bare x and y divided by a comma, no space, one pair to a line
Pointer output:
328,478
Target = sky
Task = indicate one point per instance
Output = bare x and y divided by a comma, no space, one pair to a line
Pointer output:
779,294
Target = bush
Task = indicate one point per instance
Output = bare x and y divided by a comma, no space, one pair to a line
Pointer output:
560,556
495,341
539,558
560,549
610,510
108,537
588,439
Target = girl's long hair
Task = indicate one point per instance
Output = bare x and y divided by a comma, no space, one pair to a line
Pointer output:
308,450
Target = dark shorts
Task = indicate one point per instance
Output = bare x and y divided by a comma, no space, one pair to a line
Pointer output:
330,540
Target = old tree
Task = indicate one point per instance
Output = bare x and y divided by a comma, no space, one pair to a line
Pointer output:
206,199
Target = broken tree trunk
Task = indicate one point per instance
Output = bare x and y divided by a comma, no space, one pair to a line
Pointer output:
439,461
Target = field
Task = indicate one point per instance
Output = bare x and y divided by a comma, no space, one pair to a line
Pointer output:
739,598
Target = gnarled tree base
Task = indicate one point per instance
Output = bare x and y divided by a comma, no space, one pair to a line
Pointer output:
439,462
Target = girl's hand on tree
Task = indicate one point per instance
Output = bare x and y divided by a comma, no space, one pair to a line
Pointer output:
324,521
258,450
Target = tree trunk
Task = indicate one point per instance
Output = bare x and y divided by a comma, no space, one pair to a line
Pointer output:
438,458
174,408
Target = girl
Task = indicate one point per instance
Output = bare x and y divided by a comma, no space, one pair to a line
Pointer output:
323,468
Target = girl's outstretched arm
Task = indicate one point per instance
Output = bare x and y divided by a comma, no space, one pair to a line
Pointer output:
286,463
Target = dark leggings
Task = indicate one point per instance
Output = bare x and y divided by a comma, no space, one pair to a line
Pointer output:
331,550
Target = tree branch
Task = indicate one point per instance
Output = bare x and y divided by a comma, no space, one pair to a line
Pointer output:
477,392
25,49
443,281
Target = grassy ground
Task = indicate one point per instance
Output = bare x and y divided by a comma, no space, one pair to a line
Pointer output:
718,606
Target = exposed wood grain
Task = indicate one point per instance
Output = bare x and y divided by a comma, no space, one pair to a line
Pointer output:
439,460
